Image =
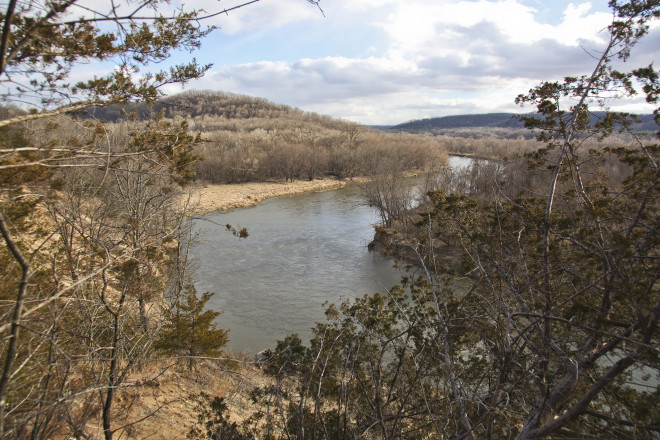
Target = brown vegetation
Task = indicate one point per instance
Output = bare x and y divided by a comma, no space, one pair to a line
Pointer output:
249,139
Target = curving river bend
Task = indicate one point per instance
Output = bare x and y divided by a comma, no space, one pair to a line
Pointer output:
303,250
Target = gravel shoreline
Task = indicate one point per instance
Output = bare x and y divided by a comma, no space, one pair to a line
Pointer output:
209,198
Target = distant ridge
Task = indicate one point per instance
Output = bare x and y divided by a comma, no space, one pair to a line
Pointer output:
501,120
494,120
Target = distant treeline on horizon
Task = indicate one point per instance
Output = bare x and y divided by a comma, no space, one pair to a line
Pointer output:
497,120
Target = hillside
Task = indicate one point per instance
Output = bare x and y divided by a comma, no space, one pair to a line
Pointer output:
494,120
500,120
196,103
253,140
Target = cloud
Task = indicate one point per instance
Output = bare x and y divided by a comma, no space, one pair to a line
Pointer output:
261,17
489,58
436,58
315,80
417,26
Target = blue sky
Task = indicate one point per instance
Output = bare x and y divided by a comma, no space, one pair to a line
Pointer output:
390,61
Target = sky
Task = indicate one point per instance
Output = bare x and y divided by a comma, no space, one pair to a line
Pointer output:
388,62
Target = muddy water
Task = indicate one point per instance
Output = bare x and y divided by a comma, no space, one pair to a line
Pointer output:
303,250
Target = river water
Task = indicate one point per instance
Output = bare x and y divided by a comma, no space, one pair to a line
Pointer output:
303,250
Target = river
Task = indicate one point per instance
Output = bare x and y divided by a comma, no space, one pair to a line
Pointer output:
302,251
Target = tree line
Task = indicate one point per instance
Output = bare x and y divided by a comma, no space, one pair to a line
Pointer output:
250,139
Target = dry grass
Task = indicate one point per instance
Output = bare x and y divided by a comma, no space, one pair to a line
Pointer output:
172,395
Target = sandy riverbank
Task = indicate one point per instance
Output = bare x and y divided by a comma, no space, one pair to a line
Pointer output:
209,198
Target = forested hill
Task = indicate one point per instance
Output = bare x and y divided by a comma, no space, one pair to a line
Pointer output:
502,120
493,120
251,139
207,104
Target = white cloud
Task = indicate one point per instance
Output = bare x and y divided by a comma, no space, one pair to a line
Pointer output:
419,26
439,58
261,17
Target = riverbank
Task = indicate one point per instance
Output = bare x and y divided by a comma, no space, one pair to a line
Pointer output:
203,199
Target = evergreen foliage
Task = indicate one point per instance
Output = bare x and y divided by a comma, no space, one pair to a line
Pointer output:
189,330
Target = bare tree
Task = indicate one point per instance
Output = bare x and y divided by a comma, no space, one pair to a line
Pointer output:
87,218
